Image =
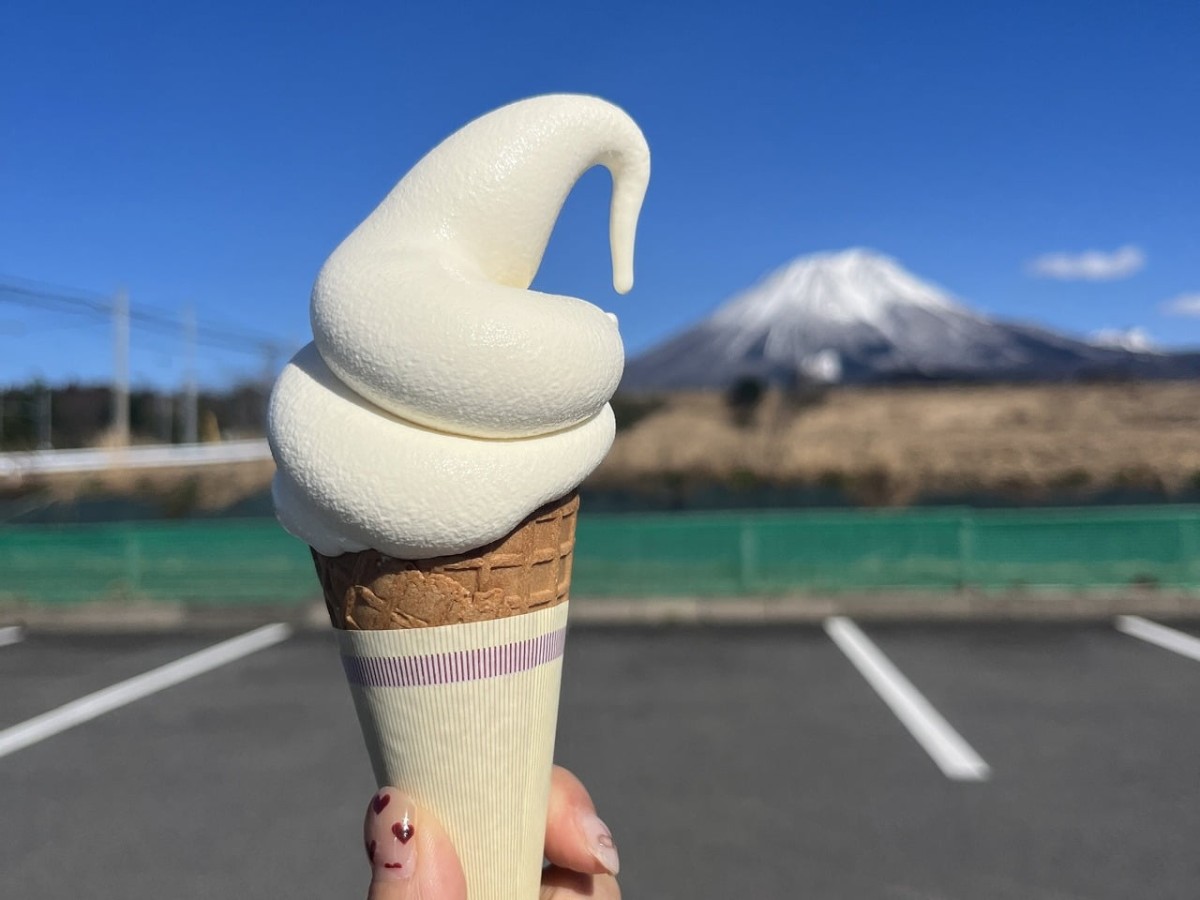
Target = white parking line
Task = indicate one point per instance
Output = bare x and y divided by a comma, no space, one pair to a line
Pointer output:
86,708
953,755
1160,635
11,634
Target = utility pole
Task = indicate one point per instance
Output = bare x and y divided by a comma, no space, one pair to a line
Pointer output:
164,417
191,395
44,413
270,352
121,368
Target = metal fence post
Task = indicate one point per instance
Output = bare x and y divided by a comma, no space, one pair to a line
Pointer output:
966,548
747,556
1190,547
133,561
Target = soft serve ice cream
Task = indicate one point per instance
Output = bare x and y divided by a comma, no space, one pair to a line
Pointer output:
442,401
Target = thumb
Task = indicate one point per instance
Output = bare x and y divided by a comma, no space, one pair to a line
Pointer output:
411,856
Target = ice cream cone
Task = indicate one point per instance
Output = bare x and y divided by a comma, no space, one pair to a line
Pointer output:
454,664
526,571
441,400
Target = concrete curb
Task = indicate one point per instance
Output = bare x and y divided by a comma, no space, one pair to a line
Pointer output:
1042,606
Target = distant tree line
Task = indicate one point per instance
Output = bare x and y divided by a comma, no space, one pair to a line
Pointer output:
80,415
745,396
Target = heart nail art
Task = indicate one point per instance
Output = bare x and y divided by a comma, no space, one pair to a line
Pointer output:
388,835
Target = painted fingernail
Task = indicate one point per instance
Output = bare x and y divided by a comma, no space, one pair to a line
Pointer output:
388,833
600,842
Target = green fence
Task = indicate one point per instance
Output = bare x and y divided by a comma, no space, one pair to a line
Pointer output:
726,554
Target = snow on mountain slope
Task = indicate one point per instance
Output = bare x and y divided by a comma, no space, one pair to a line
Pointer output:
859,316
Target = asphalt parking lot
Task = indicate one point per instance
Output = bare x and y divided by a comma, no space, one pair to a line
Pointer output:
973,762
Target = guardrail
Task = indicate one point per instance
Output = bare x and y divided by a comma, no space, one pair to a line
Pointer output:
153,456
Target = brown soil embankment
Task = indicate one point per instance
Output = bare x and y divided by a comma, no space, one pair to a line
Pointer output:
178,491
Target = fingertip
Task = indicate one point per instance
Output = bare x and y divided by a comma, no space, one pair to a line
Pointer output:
599,842
576,838
563,884
409,851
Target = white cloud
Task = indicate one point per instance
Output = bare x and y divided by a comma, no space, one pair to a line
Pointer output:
1090,265
1183,305
1135,339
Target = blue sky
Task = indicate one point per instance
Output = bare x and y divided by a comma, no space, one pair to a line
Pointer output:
213,154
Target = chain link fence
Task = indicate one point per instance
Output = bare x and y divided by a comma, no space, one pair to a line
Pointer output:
696,555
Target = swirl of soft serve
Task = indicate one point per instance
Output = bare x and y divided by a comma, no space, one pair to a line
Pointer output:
442,401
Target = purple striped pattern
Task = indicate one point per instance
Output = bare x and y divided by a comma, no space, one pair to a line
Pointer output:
455,665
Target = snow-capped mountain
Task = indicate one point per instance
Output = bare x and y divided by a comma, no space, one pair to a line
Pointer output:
858,316
1136,339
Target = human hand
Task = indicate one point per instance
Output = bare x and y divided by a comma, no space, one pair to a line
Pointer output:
412,857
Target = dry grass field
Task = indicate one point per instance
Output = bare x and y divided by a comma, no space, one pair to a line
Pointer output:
892,444
881,445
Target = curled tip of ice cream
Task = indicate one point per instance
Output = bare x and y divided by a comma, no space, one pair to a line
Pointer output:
629,188
425,308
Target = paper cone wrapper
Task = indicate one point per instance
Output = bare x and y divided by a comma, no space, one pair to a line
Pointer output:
454,664
462,718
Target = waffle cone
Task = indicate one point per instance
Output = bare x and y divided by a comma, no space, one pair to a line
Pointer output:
526,571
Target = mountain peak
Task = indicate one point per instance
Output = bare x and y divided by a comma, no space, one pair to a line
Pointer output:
859,316
846,286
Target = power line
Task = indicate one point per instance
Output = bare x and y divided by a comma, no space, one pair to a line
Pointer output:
146,318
